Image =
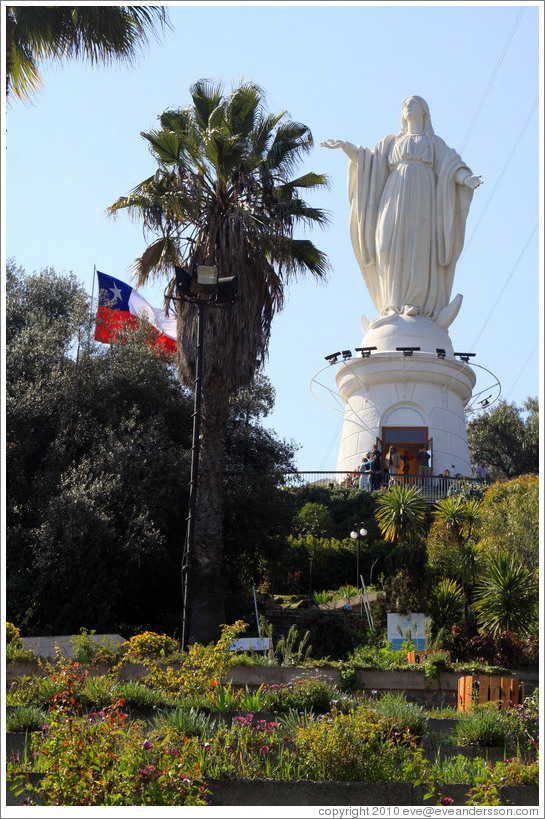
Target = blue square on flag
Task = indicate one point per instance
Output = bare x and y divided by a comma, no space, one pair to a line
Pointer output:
113,293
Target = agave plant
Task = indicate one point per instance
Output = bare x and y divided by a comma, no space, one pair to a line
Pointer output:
401,513
506,598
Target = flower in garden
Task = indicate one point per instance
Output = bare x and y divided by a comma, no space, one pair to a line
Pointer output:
264,750
146,745
447,800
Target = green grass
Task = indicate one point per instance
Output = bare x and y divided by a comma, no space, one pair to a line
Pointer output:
25,718
401,714
483,726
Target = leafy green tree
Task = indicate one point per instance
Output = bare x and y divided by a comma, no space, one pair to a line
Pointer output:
314,519
92,525
96,33
506,438
97,465
510,519
224,194
506,598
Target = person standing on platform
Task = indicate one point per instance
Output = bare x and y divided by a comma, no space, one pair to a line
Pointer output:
423,462
393,463
375,456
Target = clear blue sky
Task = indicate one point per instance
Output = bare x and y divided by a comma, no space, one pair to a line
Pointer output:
343,70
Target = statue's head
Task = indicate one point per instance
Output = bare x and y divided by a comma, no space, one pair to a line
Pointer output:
411,101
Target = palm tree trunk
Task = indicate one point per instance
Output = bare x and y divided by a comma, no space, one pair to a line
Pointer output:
208,568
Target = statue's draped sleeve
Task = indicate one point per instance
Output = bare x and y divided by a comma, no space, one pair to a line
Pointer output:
453,203
366,180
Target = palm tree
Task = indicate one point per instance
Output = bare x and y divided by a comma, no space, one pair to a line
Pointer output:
447,602
97,33
458,517
224,194
401,513
506,598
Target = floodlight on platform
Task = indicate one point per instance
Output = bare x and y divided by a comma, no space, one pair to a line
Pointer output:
333,358
465,356
407,351
365,351
485,402
347,354
440,352
204,282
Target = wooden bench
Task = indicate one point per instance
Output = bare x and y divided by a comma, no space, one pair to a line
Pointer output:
250,644
491,689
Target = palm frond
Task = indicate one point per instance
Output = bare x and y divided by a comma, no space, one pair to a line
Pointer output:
206,97
291,141
165,145
158,259
243,108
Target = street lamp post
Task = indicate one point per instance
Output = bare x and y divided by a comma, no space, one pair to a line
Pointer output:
358,533
202,287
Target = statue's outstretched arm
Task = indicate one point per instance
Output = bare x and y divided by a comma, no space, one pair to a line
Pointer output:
350,150
470,180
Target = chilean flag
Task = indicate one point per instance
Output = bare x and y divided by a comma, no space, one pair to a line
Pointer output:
120,305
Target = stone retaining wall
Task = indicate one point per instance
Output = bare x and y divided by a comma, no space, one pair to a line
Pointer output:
263,792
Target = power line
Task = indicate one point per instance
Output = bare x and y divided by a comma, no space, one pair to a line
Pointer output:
333,439
508,279
500,177
491,81
511,388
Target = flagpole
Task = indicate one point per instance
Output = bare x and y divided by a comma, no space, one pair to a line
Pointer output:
91,311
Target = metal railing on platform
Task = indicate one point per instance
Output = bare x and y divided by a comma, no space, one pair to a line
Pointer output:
433,487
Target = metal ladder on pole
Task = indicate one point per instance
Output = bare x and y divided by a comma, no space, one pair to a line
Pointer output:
364,603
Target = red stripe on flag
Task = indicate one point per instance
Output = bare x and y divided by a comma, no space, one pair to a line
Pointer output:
111,323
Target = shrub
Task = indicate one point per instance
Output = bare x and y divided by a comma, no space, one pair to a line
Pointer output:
25,718
17,653
354,747
15,649
483,726
301,694
13,635
513,651
86,650
201,667
149,645
401,715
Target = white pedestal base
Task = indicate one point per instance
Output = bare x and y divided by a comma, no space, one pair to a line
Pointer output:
391,390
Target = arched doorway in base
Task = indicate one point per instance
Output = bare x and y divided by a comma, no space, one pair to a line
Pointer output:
408,440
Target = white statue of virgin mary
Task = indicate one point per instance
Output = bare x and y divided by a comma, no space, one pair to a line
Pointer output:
409,200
